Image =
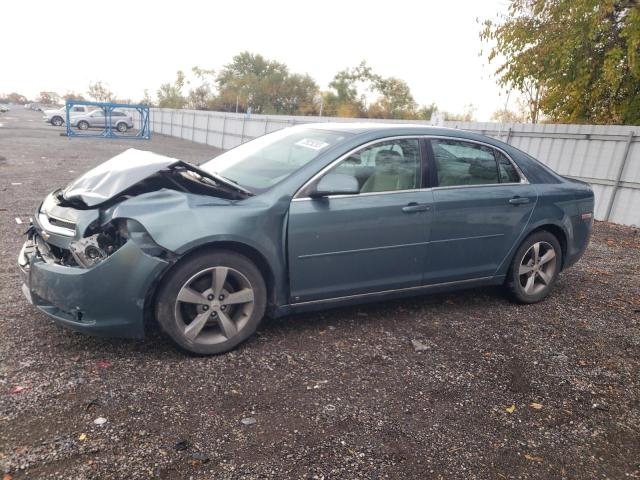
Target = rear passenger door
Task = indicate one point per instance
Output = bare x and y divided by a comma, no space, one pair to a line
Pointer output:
482,203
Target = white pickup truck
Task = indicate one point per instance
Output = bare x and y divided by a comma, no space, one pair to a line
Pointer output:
58,116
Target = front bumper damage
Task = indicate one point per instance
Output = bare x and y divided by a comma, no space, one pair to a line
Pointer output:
107,299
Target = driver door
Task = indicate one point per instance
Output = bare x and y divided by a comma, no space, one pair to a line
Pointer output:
372,241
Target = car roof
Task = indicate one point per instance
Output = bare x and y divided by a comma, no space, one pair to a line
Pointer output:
380,130
362,127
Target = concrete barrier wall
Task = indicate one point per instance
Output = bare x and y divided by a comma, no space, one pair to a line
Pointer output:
606,156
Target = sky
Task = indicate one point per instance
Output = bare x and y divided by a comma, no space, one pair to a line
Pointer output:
135,45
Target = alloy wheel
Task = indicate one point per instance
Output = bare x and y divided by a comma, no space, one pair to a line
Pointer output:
537,268
214,305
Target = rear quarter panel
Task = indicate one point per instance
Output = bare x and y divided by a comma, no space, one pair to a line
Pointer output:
562,204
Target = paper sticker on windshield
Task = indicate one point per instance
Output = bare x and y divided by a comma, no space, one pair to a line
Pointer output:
312,144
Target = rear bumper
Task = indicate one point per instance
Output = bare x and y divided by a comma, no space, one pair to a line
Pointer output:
579,241
105,300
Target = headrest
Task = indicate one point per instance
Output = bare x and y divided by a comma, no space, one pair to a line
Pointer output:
483,169
388,158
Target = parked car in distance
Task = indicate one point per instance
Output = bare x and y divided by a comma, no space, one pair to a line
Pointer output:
58,116
97,119
304,218
4,108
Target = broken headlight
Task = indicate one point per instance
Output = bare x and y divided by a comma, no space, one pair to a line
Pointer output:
88,252
104,240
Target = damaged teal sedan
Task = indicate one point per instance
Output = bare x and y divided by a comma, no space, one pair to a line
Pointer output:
305,218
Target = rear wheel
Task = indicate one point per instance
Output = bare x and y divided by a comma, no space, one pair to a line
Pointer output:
535,267
212,302
83,125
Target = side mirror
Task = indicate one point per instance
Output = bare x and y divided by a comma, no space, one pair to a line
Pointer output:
336,184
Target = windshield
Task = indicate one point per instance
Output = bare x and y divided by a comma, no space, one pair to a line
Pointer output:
263,162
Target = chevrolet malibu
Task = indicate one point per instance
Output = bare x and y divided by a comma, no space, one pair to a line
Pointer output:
304,218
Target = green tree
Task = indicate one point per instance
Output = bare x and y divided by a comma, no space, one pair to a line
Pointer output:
100,92
345,99
170,94
348,97
265,86
394,101
251,80
574,60
146,99
48,98
72,96
14,98
426,111
297,96
504,115
201,97
467,115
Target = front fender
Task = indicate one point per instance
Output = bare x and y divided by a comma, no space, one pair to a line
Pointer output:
181,222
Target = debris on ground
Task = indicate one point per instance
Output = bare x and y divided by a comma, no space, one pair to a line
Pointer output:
420,346
181,445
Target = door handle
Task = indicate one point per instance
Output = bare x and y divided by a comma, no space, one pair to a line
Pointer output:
518,200
414,207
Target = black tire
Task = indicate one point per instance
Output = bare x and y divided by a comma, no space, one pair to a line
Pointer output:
83,125
175,316
122,127
57,121
524,266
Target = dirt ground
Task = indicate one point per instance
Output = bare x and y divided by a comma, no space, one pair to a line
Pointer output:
499,390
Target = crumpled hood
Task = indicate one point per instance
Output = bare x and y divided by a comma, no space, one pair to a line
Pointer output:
116,175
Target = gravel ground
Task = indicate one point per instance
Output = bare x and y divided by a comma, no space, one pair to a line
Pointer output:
462,385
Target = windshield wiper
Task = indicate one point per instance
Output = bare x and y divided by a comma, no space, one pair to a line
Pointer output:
218,179
231,180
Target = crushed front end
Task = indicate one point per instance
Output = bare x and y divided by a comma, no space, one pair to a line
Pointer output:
88,263
89,276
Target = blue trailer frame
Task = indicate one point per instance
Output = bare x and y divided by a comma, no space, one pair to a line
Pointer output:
144,128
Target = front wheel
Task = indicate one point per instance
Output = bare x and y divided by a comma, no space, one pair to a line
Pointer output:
535,267
122,127
57,121
83,125
211,302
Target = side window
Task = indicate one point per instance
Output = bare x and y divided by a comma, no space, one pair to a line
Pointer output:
508,172
464,163
384,167
78,109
